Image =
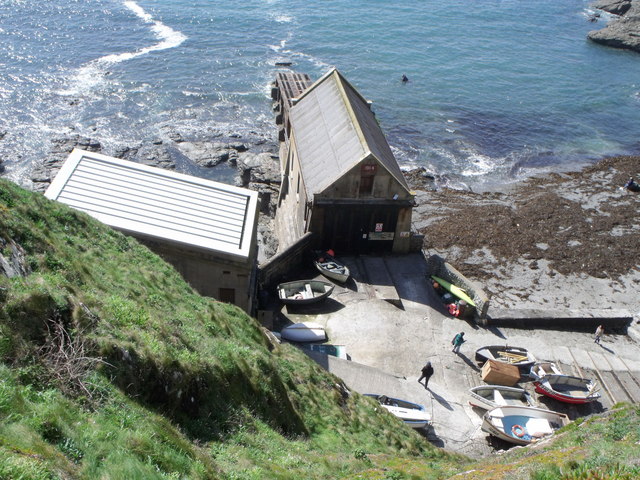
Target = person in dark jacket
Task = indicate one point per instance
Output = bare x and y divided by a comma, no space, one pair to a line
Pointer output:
427,371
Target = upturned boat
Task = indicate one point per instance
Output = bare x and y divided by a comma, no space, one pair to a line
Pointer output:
568,389
304,332
522,425
412,414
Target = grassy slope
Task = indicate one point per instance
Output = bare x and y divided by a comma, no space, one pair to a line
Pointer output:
600,447
190,388
186,387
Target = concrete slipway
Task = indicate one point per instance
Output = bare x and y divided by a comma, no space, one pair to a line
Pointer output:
391,322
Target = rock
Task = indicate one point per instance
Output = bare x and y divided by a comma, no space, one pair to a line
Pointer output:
258,168
268,197
210,154
126,153
42,174
16,265
621,33
156,156
615,7
175,136
267,241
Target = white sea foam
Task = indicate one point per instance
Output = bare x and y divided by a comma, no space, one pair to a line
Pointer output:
169,38
91,75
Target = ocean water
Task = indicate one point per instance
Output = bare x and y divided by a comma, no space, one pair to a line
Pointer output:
498,90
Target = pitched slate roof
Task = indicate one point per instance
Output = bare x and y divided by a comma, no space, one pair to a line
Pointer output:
158,203
334,130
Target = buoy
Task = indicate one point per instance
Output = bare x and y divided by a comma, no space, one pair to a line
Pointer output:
518,431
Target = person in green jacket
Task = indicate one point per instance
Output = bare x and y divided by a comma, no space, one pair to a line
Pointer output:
457,341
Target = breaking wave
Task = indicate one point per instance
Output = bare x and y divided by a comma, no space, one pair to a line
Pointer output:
89,76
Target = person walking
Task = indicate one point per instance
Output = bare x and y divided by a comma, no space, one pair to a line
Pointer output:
427,371
599,333
457,341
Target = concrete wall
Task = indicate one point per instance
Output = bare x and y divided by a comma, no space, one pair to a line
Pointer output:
207,273
290,220
614,321
271,272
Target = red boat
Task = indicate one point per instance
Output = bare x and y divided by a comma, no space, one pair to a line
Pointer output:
567,389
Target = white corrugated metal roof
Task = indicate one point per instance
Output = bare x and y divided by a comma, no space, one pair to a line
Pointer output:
334,130
158,203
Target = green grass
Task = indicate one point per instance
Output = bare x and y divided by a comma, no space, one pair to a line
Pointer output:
155,381
171,385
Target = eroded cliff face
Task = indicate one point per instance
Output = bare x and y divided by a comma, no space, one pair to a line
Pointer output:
623,32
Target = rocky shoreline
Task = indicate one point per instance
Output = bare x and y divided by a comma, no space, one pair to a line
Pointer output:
562,239
567,240
623,32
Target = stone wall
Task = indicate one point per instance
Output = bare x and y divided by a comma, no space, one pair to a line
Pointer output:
437,266
277,267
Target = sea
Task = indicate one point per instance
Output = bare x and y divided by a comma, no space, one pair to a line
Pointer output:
498,90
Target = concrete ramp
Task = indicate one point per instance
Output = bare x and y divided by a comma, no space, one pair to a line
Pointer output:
455,426
379,279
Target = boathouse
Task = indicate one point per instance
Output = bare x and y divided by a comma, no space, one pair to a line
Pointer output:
205,229
341,180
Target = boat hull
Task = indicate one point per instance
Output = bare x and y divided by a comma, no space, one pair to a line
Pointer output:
522,425
338,277
539,370
506,354
331,268
304,292
412,414
580,390
485,397
304,332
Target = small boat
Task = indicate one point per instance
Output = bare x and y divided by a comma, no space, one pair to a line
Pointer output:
539,370
302,292
304,332
413,414
493,396
567,389
331,268
517,356
522,425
